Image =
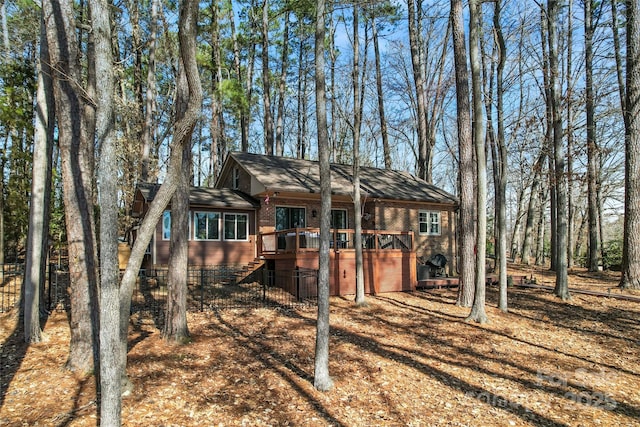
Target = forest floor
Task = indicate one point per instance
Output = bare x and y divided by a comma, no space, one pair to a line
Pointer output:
407,359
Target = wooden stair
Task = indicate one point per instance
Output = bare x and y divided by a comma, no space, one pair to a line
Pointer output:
249,270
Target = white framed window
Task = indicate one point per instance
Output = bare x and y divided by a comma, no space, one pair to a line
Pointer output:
236,226
206,225
429,223
166,225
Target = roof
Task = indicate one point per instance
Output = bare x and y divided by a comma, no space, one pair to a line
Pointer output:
303,176
205,196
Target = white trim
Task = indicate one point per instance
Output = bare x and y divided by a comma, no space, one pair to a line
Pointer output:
429,223
195,226
224,225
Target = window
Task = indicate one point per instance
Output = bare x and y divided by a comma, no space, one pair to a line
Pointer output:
429,223
207,226
166,225
236,226
338,218
339,221
287,217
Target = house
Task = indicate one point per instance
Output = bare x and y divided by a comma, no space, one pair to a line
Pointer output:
264,211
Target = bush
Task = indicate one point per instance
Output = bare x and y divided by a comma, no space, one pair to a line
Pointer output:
612,255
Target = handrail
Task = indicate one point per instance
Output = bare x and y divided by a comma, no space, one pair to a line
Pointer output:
308,240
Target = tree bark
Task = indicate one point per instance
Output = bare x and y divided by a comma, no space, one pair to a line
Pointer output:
150,98
592,184
175,319
357,123
478,313
465,152
107,181
38,235
269,140
384,134
183,129
415,43
77,178
322,380
631,247
282,86
562,285
501,185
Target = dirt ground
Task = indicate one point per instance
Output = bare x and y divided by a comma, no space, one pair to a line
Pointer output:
408,359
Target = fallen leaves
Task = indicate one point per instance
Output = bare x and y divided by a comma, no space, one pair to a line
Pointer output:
405,360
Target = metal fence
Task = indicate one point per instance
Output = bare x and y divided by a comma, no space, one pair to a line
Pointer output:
219,288
209,288
10,285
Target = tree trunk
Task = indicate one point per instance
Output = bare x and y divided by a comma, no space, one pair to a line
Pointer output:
631,248
415,43
77,178
269,141
322,381
107,181
218,147
501,185
592,186
569,106
478,313
357,122
175,319
562,285
38,236
465,152
531,214
183,129
150,98
540,256
282,86
383,121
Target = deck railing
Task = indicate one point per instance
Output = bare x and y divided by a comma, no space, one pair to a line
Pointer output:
308,240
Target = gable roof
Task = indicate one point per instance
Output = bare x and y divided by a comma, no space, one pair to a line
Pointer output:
205,196
303,176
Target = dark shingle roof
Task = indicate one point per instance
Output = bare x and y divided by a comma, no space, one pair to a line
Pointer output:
303,176
204,196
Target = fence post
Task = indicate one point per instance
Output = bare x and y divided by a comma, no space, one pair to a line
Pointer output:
201,289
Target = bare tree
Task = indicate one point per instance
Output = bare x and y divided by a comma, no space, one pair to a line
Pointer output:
37,237
465,152
501,181
322,380
562,285
358,95
107,182
478,313
175,320
150,96
269,140
76,152
282,86
592,184
183,130
631,248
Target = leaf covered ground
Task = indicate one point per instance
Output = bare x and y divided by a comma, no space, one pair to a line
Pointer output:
407,359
